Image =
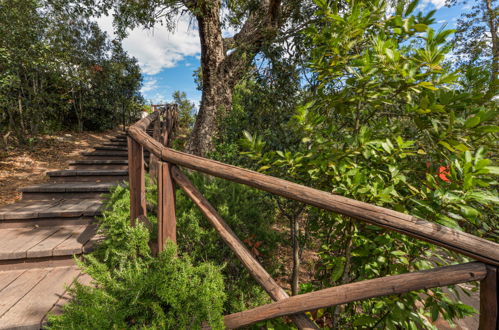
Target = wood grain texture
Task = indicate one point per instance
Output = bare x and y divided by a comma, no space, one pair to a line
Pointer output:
17,289
30,310
456,240
167,220
342,294
489,300
230,238
136,179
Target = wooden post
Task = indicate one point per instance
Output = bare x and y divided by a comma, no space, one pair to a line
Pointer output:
489,300
153,160
136,180
252,265
167,221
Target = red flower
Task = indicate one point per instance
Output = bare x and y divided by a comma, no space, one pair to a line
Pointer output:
443,171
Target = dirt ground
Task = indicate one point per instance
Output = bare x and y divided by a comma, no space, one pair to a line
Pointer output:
26,165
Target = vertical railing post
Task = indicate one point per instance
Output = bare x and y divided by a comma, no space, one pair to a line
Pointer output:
153,160
167,220
489,300
137,180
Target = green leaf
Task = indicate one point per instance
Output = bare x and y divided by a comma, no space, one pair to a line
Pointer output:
472,122
338,270
411,7
483,197
492,169
488,129
420,27
446,145
434,312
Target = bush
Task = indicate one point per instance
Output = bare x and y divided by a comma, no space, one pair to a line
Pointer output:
133,289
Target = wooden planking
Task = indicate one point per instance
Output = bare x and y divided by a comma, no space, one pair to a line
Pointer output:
230,238
17,289
136,177
51,209
45,248
342,294
7,277
32,308
31,263
19,241
88,173
68,187
83,279
167,221
74,244
489,300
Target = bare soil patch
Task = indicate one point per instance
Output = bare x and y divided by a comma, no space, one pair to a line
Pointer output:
22,166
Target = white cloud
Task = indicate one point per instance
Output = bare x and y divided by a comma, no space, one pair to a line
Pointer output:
437,3
159,48
149,85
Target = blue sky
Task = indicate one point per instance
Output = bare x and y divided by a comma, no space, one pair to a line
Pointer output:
168,58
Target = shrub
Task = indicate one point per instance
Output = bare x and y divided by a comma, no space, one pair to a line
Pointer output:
133,289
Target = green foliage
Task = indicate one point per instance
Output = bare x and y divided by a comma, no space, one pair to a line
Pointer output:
60,71
134,290
389,124
249,213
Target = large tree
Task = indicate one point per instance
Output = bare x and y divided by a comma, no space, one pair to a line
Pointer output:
477,41
224,61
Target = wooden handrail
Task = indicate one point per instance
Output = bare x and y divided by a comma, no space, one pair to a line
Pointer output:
346,293
456,240
453,239
252,265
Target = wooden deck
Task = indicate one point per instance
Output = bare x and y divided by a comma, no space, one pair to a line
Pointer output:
40,234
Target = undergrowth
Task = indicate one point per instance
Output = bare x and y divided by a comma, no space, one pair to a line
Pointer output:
132,289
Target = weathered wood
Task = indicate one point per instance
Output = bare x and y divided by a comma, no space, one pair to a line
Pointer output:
29,312
12,293
153,160
16,242
489,300
342,294
167,221
251,264
45,248
456,240
136,179
452,239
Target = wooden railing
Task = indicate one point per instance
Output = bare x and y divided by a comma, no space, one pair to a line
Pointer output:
165,162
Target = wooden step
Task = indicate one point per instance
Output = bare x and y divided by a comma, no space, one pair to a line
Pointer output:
27,296
95,164
46,222
39,242
115,144
109,155
121,140
113,148
88,175
62,208
66,190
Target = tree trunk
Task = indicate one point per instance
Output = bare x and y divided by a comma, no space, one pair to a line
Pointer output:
295,275
495,48
222,70
217,96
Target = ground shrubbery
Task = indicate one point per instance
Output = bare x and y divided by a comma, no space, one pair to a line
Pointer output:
134,290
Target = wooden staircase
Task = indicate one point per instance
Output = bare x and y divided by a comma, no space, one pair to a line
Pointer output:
40,234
